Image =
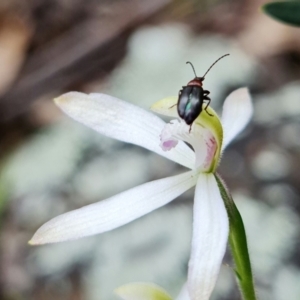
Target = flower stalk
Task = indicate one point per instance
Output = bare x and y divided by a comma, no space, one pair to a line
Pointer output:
238,244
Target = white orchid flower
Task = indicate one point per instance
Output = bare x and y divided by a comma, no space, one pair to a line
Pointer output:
126,122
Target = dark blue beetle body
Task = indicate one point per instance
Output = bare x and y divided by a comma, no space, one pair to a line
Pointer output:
192,97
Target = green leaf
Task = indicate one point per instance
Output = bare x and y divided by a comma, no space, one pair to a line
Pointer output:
142,291
238,244
284,11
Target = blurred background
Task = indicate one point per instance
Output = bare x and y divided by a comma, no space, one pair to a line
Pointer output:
136,50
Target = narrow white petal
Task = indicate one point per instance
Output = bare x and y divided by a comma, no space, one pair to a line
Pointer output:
210,234
115,211
123,121
237,111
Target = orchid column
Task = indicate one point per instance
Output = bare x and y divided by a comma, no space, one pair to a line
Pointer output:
118,119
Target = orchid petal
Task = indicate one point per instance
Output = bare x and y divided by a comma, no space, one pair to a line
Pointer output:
201,139
237,111
115,211
123,121
210,234
142,291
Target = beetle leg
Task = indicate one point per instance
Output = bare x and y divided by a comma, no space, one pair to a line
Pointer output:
172,106
206,92
190,128
207,98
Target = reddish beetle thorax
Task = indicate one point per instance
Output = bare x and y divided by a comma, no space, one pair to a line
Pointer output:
196,82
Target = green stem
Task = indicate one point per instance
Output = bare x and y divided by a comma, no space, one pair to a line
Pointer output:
238,244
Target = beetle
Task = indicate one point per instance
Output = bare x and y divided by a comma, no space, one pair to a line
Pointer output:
192,97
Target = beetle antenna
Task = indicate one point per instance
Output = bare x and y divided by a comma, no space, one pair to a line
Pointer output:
188,62
214,64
